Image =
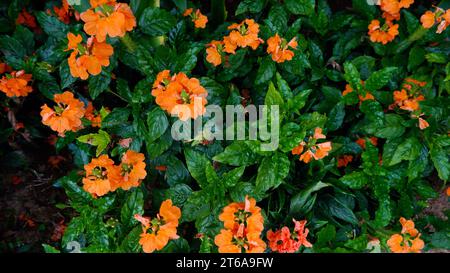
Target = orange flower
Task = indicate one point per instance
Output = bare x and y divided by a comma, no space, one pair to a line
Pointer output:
156,233
362,142
382,34
25,18
278,47
405,242
99,176
428,19
367,96
87,59
243,224
242,35
5,68
448,191
344,160
440,16
409,97
423,124
198,18
180,95
313,150
65,116
108,18
131,171
16,84
214,52
93,116
65,12
283,241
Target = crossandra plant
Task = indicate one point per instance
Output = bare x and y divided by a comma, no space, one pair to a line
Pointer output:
338,139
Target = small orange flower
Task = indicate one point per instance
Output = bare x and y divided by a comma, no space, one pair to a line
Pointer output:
243,225
131,171
180,95
5,68
214,52
440,16
313,150
108,18
382,34
156,233
283,241
87,59
92,115
428,19
367,96
409,97
279,48
65,12
16,84
198,18
66,115
362,142
408,241
99,176
244,34
25,18
344,160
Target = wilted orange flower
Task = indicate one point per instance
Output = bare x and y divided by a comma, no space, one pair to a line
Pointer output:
409,97
408,241
440,16
65,116
214,52
367,96
157,232
131,171
382,34
344,160
99,176
197,17
310,149
279,48
283,241
93,116
242,35
108,18
65,12
25,18
243,225
180,95
362,142
87,59
16,84
5,68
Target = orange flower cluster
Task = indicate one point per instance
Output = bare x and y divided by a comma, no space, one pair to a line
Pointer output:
408,99
408,241
391,11
244,34
66,115
92,115
243,224
65,12
440,16
103,176
367,96
283,241
25,18
198,18
180,95
87,59
362,142
157,232
279,48
344,160
310,149
108,18
15,84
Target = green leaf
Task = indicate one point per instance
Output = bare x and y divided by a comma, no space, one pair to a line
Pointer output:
99,83
232,177
439,156
355,180
352,76
237,154
181,4
179,194
117,117
266,70
336,117
277,19
156,21
271,172
50,249
365,7
51,25
325,235
301,7
273,97
130,244
407,150
134,204
100,140
10,46
157,123
196,163
176,172
416,57
301,202
299,101
251,6
380,78
157,148
393,127
65,76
